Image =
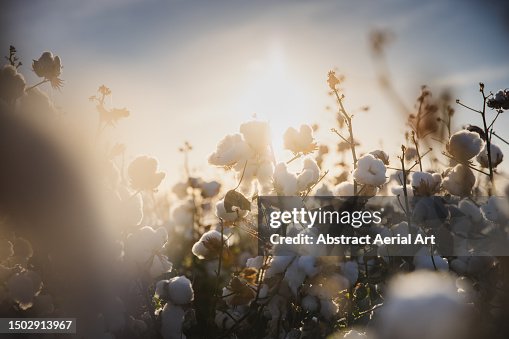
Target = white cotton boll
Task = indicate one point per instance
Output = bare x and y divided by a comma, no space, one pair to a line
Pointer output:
309,303
161,290
294,276
307,264
422,305
256,262
309,175
229,151
278,265
328,308
353,334
301,141
141,245
470,210
324,191
350,270
172,318
160,265
418,178
496,156
401,229
344,189
23,287
228,216
131,207
180,189
370,171
381,155
459,180
285,183
399,190
12,83
423,261
180,290
464,145
209,246
256,134
210,189
183,214
496,209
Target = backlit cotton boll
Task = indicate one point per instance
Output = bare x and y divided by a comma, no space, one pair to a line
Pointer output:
464,145
470,210
425,183
256,134
209,246
496,209
370,171
48,67
228,216
143,174
496,156
309,175
12,83
424,261
285,183
459,180
143,244
177,291
381,155
229,151
300,141
210,189
344,189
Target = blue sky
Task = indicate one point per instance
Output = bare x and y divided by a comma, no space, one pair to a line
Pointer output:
194,70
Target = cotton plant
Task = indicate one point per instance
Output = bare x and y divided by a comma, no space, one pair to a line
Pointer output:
249,154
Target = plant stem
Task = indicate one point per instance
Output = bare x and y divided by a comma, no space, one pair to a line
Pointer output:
486,132
37,84
351,140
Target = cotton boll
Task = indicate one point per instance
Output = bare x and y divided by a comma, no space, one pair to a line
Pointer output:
37,105
143,173
228,216
209,246
470,210
370,171
130,207
177,290
264,175
464,145
309,175
229,151
256,134
278,265
496,209
294,276
423,261
381,155
324,191
172,318
160,265
459,180
285,183
344,189
398,190
183,214
425,183
307,264
301,141
12,83
496,156
309,303
180,189
350,270
141,245
422,305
